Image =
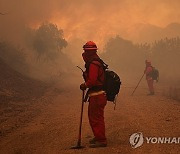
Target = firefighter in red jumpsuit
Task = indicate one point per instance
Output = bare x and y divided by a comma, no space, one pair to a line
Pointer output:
94,78
148,72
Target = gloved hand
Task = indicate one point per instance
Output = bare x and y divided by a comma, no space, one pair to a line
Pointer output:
83,86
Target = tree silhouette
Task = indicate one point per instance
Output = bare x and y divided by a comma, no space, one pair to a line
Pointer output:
128,57
48,41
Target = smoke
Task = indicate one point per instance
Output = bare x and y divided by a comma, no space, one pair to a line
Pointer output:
81,21
99,20
134,20
87,20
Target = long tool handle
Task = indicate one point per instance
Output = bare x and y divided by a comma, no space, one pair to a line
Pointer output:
81,117
137,85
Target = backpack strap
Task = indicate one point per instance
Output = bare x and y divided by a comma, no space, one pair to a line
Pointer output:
103,65
99,75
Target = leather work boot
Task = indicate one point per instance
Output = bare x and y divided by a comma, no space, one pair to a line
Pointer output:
98,145
92,141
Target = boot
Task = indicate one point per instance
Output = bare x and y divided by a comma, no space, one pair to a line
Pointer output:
98,145
151,93
92,141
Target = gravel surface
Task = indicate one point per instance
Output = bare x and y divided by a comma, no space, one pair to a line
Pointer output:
50,124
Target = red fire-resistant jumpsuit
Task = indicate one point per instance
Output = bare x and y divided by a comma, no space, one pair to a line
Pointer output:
97,100
148,71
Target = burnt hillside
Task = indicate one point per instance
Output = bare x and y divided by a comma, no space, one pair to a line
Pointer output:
14,86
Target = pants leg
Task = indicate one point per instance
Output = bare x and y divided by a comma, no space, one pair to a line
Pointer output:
150,85
96,116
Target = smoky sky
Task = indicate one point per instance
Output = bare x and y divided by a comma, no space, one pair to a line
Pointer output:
87,20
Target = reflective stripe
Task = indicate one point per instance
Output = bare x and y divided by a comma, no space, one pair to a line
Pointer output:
96,93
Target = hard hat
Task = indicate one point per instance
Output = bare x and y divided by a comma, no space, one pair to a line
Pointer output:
90,45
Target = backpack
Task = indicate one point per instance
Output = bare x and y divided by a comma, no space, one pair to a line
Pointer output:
111,83
155,74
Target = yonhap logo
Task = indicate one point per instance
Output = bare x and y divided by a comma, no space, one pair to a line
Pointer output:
136,140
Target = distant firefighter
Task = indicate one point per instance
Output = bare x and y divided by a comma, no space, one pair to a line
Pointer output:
149,71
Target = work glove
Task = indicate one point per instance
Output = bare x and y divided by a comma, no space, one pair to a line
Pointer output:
83,86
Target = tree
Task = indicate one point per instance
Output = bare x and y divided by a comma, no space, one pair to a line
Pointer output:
48,41
124,56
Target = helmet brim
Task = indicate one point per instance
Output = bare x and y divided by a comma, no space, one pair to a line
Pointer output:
90,48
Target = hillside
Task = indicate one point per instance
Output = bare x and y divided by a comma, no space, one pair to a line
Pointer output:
15,86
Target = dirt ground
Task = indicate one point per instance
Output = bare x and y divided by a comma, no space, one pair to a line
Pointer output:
50,123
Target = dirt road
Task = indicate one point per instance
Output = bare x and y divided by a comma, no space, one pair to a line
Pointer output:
50,125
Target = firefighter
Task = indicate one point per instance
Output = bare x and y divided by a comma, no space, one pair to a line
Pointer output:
94,78
148,72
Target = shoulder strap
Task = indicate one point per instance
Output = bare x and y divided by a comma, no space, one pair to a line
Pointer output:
104,65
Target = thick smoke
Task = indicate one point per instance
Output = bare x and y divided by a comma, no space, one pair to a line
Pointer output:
138,21
87,20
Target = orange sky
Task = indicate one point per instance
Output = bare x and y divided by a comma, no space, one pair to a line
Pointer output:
88,20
